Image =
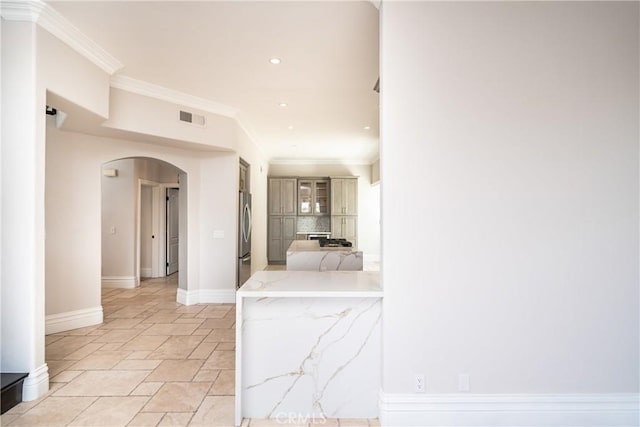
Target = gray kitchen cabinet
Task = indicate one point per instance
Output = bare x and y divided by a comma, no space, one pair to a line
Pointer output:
282,232
283,207
344,209
282,196
344,196
313,196
345,227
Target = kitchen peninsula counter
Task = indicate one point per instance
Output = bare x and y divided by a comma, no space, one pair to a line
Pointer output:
308,343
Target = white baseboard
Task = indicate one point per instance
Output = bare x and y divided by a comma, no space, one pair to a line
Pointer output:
187,297
61,322
36,384
120,282
206,296
557,410
145,272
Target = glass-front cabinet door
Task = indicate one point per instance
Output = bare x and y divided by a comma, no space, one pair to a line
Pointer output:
313,197
321,202
305,197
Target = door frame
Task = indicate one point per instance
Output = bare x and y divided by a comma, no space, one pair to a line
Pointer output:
165,228
158,226
154,226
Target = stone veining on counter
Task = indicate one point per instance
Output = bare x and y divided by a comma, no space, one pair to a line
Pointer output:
308,343
317,376
307,255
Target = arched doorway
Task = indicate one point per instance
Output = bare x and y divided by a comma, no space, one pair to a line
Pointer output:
142,216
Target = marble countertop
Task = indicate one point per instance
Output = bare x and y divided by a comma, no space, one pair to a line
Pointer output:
313,232
314,246
295,284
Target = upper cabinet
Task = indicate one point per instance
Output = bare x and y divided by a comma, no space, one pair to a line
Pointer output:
282,196
313,196
344,196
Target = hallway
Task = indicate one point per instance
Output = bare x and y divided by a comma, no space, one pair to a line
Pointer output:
153,362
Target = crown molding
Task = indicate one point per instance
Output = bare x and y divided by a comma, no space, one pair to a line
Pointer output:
352,162
169,95
49,19
27,11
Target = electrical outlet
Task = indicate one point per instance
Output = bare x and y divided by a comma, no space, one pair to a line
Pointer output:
463,382
112,230
419,383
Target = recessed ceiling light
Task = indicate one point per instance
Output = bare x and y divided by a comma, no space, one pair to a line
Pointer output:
290,127
283,104
275,61
367,128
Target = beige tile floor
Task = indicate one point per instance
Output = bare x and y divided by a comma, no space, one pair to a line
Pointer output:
153,362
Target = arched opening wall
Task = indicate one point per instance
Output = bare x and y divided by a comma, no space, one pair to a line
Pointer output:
73,185
54,282
137,215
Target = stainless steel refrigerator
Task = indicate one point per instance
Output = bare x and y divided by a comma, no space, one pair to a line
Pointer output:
244,239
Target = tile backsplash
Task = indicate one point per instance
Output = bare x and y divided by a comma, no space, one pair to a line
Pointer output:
314,223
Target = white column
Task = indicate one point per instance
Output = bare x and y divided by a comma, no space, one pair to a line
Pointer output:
22,184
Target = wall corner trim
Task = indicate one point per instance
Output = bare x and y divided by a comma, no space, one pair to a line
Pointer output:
61,322
206,296
36,384
612,409
48,18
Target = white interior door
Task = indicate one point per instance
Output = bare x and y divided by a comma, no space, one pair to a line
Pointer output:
172,230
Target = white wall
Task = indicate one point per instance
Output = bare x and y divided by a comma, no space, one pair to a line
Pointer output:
148,116
219,211
72,268
77,176
368,197
63,72
156,171
118,212
511,130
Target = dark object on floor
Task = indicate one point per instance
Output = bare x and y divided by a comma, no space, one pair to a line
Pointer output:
11,390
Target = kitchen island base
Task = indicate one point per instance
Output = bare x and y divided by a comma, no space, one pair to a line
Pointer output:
304,354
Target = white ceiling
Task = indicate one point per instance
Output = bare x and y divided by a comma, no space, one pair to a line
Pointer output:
220,51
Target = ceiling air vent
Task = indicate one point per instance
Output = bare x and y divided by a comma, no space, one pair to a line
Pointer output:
194,119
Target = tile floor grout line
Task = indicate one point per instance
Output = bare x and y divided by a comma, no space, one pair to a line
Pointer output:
137,359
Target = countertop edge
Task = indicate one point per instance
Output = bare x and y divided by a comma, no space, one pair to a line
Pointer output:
310,294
